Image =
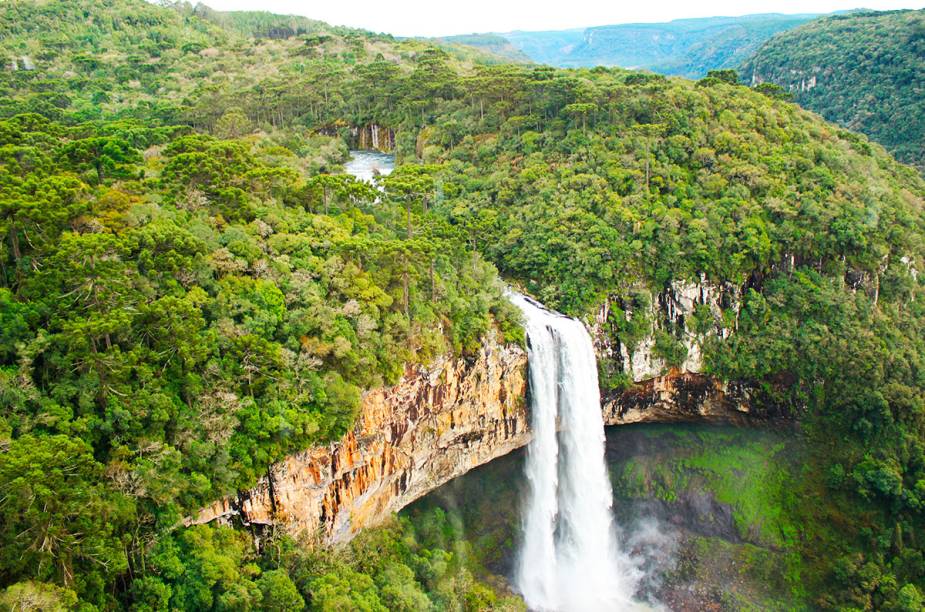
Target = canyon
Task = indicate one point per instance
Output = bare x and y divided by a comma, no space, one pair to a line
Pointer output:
437,423
440,421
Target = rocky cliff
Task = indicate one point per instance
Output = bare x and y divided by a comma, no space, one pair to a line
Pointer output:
441,421
626,334
437,423
678,396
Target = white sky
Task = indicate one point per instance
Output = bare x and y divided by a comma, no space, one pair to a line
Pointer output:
436,18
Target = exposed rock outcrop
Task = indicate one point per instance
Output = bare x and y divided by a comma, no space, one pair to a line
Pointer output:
677,396
660,392
437,423
671,311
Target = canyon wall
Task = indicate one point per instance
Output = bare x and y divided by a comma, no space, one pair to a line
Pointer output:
437,423
441,421
659,391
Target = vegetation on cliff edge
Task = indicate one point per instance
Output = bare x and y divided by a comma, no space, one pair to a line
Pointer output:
190,290
863,70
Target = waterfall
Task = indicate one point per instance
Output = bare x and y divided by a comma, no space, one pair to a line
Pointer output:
569,557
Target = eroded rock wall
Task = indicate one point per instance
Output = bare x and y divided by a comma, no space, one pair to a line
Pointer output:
437,423
659,391
678,396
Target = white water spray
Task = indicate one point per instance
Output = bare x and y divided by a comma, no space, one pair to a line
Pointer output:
569,557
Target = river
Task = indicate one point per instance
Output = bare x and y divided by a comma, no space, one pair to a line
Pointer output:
365,165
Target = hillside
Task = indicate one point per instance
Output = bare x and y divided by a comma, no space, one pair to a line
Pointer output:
864,71
684,47
495,44
190,289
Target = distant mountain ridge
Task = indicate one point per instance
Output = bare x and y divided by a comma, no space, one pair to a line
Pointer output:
683,47
495,44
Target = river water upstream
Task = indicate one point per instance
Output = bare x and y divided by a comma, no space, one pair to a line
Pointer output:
365,165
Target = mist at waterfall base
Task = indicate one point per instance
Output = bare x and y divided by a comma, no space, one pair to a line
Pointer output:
569,557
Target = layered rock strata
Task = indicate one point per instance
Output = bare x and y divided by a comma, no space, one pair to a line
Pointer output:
437,423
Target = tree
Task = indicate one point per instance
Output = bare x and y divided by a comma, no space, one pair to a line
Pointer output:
581,110
205,568
649,132
36,211
773,90
726,76
108,156
339,188
345,590
232,124
279,594
42,596
60,523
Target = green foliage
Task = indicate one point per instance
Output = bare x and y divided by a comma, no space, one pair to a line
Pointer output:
669,348
773,90
862,70
179,310
61,523
726,76
191,290
37,596
409,564
421,563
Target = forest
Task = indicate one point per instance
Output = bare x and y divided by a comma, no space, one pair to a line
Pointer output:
862,70
191,289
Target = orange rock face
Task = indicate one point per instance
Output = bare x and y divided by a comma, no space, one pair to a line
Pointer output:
437,423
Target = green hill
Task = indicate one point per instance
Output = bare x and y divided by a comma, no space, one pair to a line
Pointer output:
493,43
190,289
865,71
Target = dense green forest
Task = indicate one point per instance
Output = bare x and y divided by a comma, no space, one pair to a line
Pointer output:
191,289
863,71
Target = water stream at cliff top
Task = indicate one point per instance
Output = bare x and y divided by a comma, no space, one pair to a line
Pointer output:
569,558
364,165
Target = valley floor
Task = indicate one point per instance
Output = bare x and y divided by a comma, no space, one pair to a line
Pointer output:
703,509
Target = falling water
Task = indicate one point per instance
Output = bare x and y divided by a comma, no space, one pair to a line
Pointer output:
569,558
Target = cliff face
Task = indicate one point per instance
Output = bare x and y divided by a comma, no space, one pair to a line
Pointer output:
660,392
437,423
677,396
441,421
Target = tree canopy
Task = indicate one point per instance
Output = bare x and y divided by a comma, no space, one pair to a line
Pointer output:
191,288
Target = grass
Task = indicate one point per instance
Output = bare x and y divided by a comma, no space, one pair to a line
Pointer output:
754,473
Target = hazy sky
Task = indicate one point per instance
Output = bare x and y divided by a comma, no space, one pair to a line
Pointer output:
436,18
